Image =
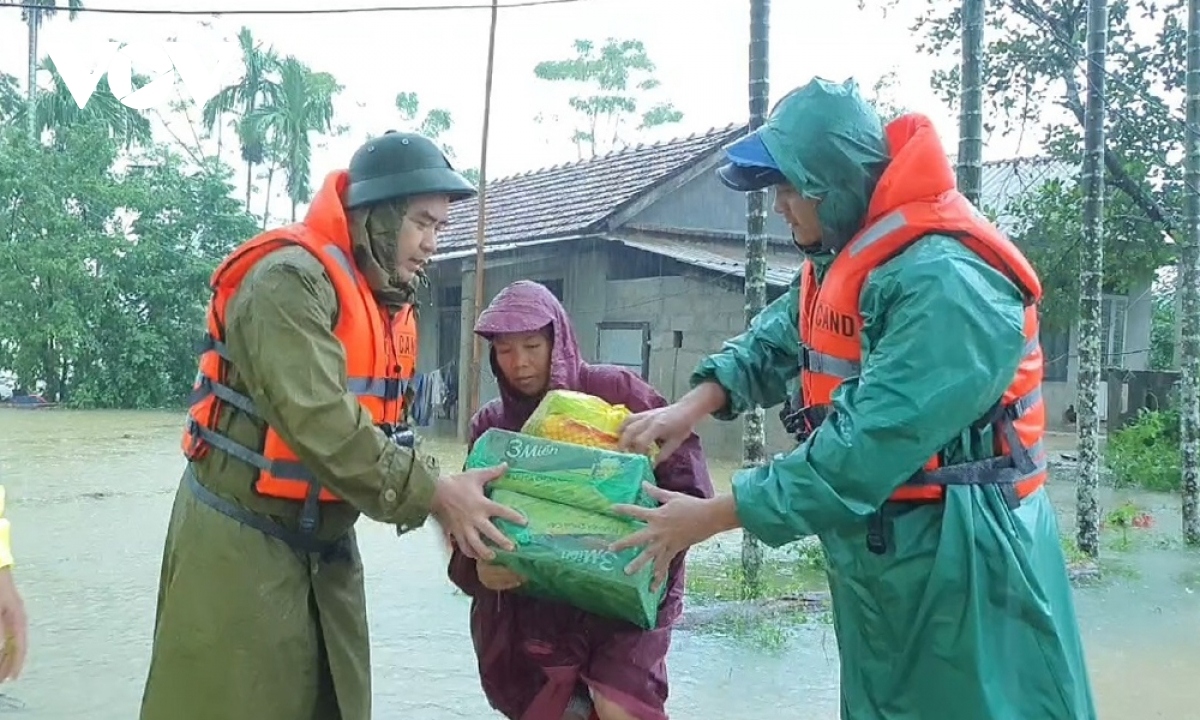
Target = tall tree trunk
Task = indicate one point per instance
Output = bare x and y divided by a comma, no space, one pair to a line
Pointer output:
34,19
267,200
1189,289
970,117
1091,277
754,435
249,182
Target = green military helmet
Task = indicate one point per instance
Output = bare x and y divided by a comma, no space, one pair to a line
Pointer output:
398,165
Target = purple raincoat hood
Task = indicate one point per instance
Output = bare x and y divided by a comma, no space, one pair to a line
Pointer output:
522,307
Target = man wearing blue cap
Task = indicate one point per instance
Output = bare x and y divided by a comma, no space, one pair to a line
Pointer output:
920,463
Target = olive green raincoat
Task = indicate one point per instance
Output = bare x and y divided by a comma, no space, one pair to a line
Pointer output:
969,613
246,627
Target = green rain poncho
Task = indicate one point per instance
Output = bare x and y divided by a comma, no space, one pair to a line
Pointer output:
968,615
245,626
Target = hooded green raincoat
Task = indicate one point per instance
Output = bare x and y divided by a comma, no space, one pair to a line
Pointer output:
968,615
247,627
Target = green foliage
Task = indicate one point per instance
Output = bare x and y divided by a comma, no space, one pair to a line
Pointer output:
1034,68
434,124
1133,247
615,77
103,271
795,571
1145,453
1123,518
302,104
884,96
1162,331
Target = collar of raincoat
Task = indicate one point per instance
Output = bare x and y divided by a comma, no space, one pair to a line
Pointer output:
373,233
527,306
830,144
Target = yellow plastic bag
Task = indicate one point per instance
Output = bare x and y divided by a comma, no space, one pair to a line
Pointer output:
578,418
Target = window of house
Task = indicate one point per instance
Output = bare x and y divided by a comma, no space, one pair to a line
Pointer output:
1056,354
450,297
626,344
555,287
1112,335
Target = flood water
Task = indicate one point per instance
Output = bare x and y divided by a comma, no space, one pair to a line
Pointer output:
89,495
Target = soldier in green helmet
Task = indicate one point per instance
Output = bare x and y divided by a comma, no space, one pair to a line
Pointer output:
296,427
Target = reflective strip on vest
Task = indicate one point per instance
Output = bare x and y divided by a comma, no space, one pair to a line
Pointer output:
823,364
340,258
392,389
887,225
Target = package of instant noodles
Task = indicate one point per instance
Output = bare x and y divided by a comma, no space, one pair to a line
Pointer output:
575,417
566,492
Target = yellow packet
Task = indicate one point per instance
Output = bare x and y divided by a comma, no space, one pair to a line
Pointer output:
578,418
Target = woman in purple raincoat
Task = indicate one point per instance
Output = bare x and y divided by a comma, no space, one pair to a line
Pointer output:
540,659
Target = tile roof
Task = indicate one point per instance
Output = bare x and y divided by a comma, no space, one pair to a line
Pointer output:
721,257
1005,181
573,198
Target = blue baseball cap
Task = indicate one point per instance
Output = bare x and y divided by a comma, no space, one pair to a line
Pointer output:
750,165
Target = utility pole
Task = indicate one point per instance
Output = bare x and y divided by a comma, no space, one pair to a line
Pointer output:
481,224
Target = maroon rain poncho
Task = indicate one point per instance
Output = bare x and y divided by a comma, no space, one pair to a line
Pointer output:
534,653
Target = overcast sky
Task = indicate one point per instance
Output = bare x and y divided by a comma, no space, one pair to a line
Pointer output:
441,55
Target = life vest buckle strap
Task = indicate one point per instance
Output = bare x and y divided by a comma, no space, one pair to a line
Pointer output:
1001,413
384,388
208,342
310,513
991,471
1004,471
994,415
338,550
207,386
1023,459
802,423
281,470
877,533
401,435
1024,404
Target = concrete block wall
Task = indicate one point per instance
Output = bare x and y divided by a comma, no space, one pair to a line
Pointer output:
705,314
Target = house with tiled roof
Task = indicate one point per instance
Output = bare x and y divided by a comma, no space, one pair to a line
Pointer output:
646,250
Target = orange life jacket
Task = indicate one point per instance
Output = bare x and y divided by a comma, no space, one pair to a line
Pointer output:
380,350
830,324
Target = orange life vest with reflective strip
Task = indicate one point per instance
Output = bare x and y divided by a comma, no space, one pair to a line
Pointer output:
381,354
831,323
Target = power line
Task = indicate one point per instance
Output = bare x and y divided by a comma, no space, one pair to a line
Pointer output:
295,11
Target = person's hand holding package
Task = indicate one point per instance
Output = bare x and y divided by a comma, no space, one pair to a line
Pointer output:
465,512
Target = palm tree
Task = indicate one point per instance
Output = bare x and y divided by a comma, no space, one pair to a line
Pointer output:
33,17
57,108
302,105
253,90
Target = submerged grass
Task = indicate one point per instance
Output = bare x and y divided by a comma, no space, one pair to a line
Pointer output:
790,593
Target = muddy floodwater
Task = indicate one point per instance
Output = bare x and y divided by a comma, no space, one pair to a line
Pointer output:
89,494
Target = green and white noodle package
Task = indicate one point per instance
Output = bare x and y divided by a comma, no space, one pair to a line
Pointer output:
567,492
